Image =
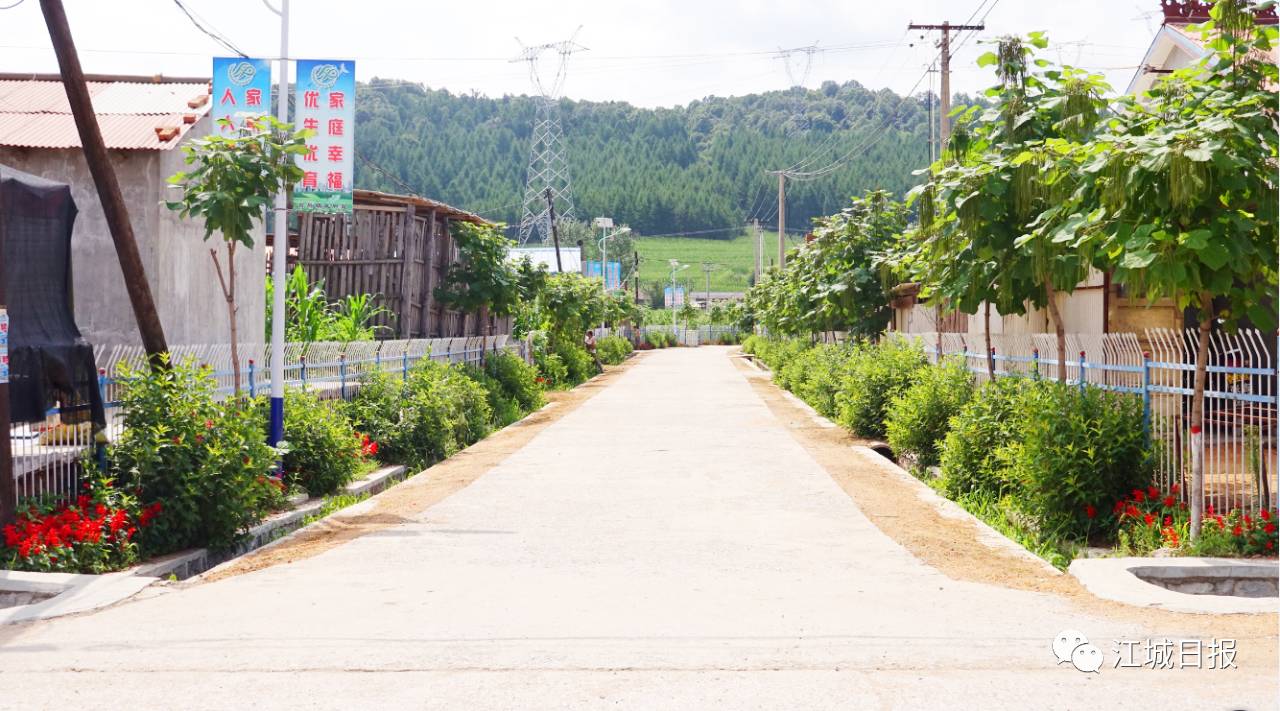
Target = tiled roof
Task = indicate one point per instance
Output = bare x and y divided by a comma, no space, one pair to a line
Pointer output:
133,115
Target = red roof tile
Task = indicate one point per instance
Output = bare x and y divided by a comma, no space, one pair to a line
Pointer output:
34,113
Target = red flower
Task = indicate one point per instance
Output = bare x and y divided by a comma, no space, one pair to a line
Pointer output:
1168,520
208,424
1090,511
1170,502
1237,531
177,440
1174,488
1265,514
1269,528
199,439
1209,509
1148,519
1270,545
1118,508
1139,496
1153,492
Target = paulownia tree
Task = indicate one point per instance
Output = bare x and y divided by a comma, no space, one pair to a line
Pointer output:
978,241
230,187
1179,195
483,279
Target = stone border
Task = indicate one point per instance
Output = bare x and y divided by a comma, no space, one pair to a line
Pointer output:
1113,579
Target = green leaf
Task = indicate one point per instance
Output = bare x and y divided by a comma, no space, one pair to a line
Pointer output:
1215,255
987,60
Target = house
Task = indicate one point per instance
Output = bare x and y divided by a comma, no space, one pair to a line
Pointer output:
145,121
1097,305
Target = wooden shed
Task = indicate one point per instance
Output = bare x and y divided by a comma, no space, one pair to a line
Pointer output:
396,247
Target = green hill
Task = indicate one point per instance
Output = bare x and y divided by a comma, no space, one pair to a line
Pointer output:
668,170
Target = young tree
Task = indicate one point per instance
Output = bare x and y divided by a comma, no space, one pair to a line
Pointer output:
1179,195
978,239
484,279
230,187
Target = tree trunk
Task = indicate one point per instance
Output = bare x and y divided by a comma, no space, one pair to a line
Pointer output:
229,293
1197,414
986,331
1058,329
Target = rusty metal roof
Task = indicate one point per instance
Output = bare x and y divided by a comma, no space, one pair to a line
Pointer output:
133,115
373,197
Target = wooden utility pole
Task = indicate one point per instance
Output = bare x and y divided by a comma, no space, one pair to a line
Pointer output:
944,55
759,237
555,234
104,178
8,490
635,277
782,219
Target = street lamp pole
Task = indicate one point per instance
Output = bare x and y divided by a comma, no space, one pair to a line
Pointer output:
280,248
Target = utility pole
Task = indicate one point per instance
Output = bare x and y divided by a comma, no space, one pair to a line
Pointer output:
944,53
782,219
555,233
104,178
635,277
759,235
279,250
706,269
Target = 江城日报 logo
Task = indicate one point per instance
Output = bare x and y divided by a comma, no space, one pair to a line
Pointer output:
1072,646
241,73
326,75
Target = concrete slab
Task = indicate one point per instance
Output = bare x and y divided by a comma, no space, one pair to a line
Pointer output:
1114,579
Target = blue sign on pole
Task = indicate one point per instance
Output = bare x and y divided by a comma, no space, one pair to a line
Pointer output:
673,300
614,280
241,93
326,105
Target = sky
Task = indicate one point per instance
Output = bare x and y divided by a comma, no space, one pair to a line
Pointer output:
652,53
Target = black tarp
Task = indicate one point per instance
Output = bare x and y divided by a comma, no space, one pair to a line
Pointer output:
50,363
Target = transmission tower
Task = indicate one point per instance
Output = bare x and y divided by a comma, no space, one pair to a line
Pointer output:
548,167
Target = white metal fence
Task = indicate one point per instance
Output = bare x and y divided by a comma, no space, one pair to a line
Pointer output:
1241,433
46,456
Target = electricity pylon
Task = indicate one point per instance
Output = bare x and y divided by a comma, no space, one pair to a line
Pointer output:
548,163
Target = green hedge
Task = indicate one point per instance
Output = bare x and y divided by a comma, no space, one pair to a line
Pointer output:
613,349
323,451
876,375
918,419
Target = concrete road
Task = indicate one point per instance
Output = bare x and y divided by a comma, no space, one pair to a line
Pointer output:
666,545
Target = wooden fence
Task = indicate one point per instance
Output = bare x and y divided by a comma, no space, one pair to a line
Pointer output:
398,249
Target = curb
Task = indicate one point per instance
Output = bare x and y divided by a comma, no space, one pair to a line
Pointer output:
945,507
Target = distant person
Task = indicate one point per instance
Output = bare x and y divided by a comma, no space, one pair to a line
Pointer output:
589,342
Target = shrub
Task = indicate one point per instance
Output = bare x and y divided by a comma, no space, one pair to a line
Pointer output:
502,405
205,462
518,379
660,339
877,374
1076,448
324,452
815,375
577,361
978,433
553,369
613,349
93,534
777,353
918,419
425,419
1146,520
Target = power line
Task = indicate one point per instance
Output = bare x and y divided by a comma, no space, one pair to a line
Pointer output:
10,7
213,34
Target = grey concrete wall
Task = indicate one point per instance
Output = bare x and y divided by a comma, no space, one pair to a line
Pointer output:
174,255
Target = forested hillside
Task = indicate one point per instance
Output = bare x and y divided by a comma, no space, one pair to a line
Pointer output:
686,169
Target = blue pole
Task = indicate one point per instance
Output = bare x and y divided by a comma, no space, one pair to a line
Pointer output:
100,449
302,364
1146,394
1035,363
1081,371
342,376
252,389
404,364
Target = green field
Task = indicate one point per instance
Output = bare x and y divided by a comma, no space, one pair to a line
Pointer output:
734,260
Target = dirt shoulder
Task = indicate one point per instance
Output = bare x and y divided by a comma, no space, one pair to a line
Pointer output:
418,493
953,546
